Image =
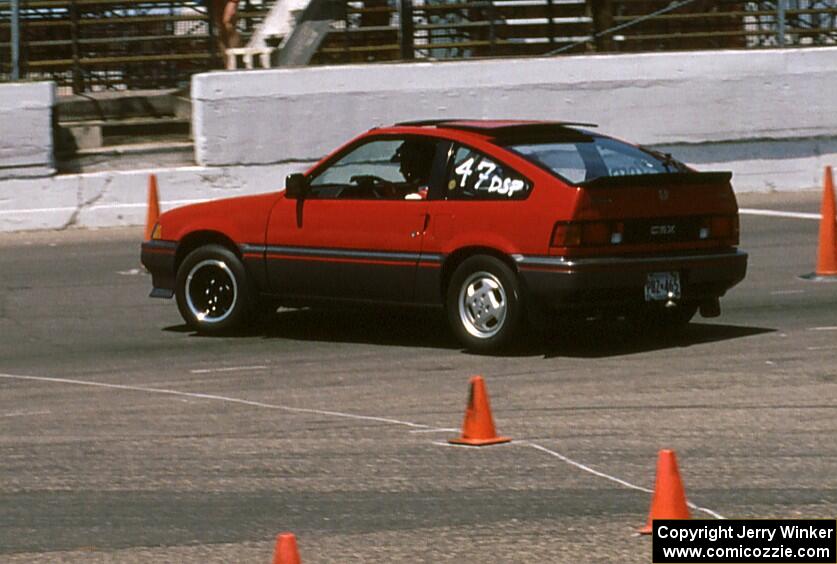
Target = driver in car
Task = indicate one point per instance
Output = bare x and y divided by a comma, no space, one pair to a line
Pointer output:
415,160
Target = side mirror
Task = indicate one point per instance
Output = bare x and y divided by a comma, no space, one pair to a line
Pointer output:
296,185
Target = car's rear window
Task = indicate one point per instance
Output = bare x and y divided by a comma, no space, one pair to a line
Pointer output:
586,158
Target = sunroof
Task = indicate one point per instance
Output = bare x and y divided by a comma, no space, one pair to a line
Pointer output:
498,128
425,122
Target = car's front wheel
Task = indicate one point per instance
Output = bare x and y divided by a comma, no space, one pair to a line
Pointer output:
484,303
213,291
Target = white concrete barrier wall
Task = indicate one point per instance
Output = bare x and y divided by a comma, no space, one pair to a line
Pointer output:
768,116
26,146
764,165
109,199
283,115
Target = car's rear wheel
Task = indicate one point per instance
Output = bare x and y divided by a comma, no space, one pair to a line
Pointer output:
484,304
213,291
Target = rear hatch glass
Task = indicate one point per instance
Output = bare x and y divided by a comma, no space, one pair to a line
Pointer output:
636,196
582,159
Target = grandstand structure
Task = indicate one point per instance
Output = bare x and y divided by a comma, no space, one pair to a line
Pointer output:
95,45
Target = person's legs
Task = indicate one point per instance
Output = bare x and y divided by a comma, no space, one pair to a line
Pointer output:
230,20
224,14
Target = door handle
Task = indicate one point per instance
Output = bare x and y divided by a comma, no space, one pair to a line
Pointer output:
415,234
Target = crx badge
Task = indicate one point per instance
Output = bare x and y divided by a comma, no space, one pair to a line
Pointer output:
663,195
663,229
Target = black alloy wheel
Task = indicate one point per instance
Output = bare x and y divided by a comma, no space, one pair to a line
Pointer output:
214,294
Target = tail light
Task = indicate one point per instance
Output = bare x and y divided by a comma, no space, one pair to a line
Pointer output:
566,235
587,233
720,227
610,233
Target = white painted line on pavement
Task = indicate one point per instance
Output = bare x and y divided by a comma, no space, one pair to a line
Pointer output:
428,428
228,369
777,213
165,203
581,466
786,292
24,413
609,477
439,430
164,391
829,328
39,210
142,205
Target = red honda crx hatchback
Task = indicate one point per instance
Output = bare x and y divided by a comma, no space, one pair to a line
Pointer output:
492,220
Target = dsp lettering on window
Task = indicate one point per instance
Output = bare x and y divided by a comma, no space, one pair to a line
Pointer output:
481,175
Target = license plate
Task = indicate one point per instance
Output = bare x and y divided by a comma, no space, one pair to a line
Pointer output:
662,286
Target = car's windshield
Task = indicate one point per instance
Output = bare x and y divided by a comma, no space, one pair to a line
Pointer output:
586,158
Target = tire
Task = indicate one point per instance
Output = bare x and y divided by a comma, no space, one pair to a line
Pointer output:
484,304
214,293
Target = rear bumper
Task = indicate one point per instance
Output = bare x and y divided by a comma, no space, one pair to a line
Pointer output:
158,257
619,281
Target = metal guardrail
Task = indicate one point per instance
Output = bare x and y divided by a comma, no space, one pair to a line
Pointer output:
90,45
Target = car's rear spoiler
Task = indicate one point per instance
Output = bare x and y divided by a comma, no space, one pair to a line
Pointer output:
665,179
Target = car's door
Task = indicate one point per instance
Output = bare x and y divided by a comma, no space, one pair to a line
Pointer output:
480,203
357,233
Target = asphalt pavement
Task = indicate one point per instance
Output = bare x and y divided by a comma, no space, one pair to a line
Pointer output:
124,437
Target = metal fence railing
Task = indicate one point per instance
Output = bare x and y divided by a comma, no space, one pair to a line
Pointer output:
457,29
717,24
96,44
102,44
376,30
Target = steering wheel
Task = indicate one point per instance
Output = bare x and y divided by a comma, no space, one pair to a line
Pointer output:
375,184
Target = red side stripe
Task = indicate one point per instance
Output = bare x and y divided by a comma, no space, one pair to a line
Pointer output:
547,268
340,259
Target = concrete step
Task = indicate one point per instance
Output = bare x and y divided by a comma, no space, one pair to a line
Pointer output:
182,105
74,136
117,105
129,157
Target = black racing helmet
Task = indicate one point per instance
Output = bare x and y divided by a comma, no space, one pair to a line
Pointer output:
416,158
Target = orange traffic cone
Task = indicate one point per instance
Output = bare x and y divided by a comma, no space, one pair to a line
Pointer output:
669,499
153,206
478,428
827,253
285,551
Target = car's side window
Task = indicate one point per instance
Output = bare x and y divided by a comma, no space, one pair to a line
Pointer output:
390,169
475,176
